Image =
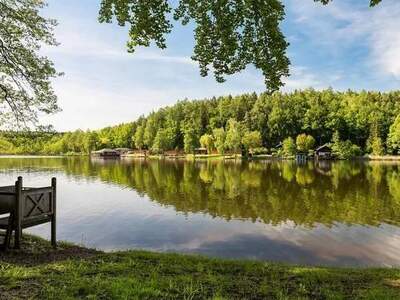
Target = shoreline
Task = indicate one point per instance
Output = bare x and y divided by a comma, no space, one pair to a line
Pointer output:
39,272
191,157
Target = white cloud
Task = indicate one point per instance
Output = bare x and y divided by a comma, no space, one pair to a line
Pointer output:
341,25
86,43
386,45
301,78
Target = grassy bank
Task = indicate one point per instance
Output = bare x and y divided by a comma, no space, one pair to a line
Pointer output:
73,272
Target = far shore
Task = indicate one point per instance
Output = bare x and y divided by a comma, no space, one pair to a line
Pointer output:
204,157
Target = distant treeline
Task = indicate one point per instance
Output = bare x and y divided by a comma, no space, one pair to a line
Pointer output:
368,121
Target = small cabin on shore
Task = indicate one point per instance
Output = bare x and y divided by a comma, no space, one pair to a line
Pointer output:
200,151
324,152
106,153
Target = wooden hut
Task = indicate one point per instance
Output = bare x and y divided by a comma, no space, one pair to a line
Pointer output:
106,153
199,151
324,152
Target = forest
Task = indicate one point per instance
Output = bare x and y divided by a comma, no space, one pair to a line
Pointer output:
353,123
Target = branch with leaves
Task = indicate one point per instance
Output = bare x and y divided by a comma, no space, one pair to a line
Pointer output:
25,87
229,35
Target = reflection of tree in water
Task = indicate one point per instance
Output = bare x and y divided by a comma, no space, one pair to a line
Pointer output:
272,192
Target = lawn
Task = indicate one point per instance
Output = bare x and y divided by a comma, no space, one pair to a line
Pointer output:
73,272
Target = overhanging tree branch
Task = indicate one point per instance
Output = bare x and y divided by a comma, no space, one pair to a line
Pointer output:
24,75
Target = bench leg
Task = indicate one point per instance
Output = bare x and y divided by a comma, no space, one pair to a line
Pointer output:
7,237
53,232
17,238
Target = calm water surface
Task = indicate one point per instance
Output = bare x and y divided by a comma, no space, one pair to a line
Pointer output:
341,213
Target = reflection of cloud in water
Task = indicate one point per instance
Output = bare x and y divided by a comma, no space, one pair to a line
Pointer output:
339,245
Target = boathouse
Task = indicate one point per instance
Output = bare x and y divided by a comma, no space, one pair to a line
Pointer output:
200,151
105,153
324,152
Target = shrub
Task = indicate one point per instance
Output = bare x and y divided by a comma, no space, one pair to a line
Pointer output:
288,147
305,142
344,149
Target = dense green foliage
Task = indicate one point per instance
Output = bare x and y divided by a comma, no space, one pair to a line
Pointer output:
362,121
25,88
71,272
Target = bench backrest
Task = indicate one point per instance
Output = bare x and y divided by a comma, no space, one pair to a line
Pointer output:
37,202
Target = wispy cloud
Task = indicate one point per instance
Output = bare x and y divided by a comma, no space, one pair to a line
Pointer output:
340,25
301,78
87,43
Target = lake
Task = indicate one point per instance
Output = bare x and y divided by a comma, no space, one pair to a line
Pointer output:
317,213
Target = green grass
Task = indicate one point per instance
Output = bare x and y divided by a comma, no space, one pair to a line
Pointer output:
72,272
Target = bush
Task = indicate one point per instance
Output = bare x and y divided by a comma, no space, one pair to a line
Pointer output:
305,142
344,149
288,147
260,150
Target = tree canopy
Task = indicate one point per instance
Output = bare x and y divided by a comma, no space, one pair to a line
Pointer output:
229,34
25,87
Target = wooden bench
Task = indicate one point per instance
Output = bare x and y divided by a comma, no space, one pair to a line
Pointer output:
26,207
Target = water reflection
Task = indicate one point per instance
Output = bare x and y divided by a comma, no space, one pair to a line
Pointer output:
340,213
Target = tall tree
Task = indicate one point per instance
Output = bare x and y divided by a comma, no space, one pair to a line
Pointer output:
219,138
190,140
233,136
251,140
25,87
394,136
374,142
150,131
207,141
139,137
163,140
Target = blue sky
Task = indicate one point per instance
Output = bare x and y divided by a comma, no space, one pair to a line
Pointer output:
345,45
